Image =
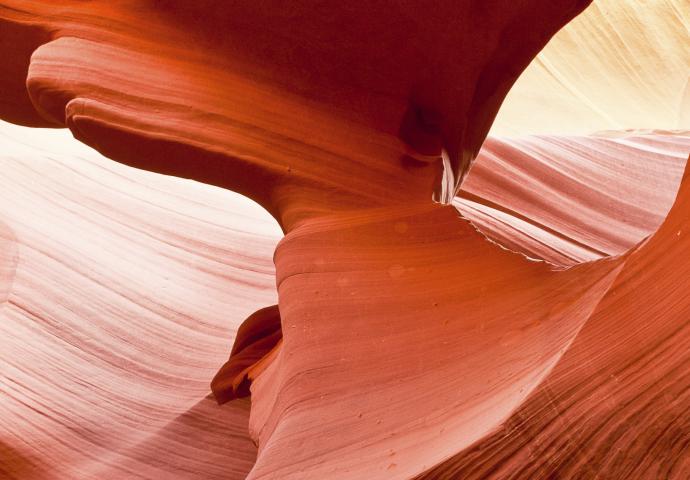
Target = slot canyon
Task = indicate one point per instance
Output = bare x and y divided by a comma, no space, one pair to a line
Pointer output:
406,240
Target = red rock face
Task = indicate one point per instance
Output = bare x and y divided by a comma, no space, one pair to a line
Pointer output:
339,96
533,328
614,404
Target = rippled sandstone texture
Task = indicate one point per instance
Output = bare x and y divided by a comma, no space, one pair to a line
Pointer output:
406,336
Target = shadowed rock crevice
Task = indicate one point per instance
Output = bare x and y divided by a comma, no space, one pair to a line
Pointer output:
256,337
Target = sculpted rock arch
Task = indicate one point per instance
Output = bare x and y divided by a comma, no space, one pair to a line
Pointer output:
401,335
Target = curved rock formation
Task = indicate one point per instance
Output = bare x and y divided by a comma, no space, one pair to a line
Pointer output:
409,374
615,405
258,335
127,289
329,96
573,199
404,335
186,235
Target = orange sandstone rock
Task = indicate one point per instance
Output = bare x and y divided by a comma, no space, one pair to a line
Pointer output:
403,335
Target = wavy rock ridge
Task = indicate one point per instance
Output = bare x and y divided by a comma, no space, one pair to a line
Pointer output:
127,289
614,404
211,426
404,336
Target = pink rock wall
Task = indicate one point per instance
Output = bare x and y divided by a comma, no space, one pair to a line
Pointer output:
535,328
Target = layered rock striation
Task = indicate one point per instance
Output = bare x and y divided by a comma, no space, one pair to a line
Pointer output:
529,323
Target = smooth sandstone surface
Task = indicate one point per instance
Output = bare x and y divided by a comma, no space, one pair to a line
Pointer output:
573,199
615,405
299,111
142,397
121,293
395,337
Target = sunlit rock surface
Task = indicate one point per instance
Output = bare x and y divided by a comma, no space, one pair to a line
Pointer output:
621,64
121,291
115,332
533,328
615,405
573,199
